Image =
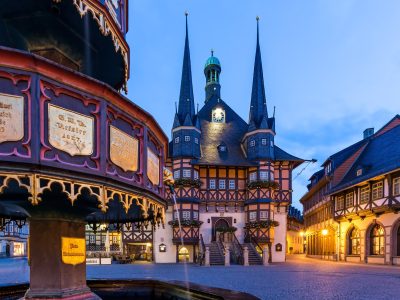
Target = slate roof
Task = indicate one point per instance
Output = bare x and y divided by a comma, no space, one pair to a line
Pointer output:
281,155
213,134
381,155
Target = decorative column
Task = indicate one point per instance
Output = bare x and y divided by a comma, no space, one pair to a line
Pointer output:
227,257
207,257
245,256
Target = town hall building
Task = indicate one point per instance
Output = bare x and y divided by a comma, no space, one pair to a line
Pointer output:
233,184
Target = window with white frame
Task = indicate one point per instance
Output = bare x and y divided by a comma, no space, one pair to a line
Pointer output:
396,186
186,215
272,144
196,140
263,214
271,176
253,215
212,184
339,202
377,190
186,173
364,194
177,140
231,184
176,214
177,174
195,215
92,239
221,184
349,200
196,174
263,142
263,175
253,176
187,138
252,143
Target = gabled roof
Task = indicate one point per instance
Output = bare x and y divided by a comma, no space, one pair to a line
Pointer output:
213,134
281,155
381,155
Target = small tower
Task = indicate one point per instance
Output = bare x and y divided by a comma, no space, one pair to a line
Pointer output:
259,139
186,128
212,70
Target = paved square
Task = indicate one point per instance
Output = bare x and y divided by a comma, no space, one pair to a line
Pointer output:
299,278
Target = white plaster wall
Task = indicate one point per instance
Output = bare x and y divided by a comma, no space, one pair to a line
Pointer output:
164,236
206,228
279,237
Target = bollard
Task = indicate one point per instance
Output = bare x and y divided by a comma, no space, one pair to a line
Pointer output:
227,257
245,256
207,258
265,256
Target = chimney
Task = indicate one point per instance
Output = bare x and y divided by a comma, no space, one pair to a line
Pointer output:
368,132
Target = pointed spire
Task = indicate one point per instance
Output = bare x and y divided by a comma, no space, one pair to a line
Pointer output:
186,98
258,104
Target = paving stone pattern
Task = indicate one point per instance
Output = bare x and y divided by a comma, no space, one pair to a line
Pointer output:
298,278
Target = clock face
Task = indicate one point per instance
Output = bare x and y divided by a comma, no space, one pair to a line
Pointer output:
218,115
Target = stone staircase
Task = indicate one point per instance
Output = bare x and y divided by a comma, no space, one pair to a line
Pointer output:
216,255
254,257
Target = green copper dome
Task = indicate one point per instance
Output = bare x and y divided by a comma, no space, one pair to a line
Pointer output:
212,60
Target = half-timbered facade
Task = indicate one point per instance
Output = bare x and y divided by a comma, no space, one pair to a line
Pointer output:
232,183
362,200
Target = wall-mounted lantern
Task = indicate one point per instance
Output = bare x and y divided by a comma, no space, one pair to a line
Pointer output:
278,247
162,248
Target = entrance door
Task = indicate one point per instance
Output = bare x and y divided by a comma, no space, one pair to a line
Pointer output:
8,250
219,227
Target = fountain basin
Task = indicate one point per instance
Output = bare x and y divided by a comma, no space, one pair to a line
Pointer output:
143,289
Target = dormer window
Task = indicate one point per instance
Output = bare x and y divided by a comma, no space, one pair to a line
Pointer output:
328,168
359,172
264,142
177,140
196,140
272,144
222,148
187,138
252,143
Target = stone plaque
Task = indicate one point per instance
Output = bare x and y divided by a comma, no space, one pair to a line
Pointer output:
153,167
124,150
70,131
73,250
11,118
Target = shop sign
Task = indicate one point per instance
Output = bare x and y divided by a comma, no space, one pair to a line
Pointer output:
73,250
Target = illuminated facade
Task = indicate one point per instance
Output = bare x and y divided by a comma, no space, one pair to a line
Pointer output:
351,208
232,182
13,239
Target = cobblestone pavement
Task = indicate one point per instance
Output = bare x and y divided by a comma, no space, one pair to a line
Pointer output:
298,278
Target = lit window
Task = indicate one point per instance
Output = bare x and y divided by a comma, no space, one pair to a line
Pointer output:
354,243
195,174
92,239
187,138
396,186
263,142
177,140
349,200
231,184
196,140
177,174
253,176
186,215
195,215
252,215
377,190
264,214
186,173
263,175
212,184
252,143
364,195
339,202
377,240
222,184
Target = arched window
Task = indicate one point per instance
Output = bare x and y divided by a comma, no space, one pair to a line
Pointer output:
377,240
354,242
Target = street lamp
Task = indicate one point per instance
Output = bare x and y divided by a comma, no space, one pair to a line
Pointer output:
324,233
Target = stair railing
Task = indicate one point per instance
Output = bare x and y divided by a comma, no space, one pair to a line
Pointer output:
202,251
256,246
236,251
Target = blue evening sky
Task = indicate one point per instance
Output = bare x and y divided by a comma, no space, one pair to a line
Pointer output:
331,67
